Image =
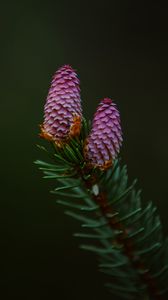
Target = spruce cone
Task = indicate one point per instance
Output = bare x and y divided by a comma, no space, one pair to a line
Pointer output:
104,141
62,111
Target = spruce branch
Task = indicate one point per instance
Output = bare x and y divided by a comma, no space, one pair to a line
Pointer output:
92,184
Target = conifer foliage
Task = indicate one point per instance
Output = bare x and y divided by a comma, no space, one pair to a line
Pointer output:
92,185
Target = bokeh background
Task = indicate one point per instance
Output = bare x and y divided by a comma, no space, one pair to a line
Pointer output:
120,50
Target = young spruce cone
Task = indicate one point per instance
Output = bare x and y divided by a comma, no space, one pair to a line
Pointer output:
104,141
62,111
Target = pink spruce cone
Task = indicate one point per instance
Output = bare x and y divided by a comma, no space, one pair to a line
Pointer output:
62,111
104,141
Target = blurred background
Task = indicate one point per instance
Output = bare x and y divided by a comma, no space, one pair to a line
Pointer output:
120,50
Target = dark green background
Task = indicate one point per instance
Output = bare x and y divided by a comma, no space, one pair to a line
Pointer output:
120,50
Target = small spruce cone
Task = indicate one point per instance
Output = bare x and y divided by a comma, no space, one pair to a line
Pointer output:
62,111
104,141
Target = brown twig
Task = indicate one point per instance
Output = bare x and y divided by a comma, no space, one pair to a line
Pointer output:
122,239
